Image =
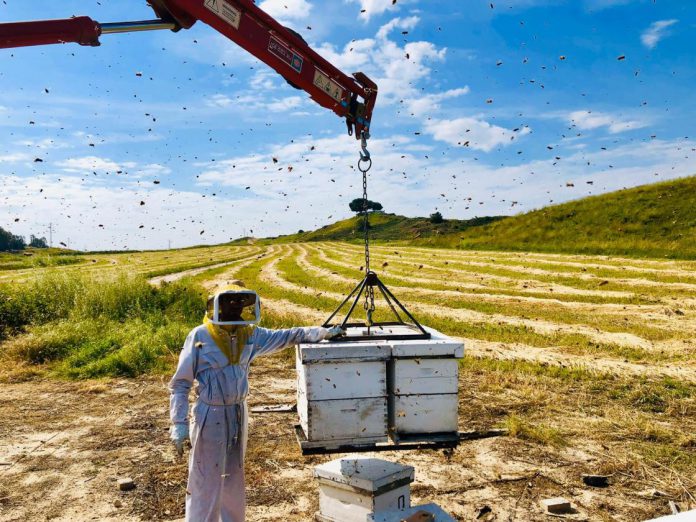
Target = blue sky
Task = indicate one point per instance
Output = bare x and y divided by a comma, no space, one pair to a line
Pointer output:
484,109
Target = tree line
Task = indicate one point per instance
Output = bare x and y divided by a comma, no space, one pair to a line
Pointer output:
10,241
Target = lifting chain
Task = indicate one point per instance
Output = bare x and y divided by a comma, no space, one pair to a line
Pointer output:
364,165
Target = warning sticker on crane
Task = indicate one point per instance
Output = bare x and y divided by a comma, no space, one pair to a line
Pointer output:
226,11
327,85
286,54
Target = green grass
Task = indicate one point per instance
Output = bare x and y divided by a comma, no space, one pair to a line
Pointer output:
82,327
541,433
657,220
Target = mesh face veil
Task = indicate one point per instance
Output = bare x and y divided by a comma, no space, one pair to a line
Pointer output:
234,307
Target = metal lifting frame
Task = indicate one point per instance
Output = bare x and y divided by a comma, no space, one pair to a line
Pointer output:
352,98
372,280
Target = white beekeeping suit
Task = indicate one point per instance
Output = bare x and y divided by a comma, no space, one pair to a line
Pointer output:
218,424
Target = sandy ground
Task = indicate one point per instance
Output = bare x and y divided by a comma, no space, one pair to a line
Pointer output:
65,445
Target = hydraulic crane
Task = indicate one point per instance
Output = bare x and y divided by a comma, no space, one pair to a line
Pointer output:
242,21
281,48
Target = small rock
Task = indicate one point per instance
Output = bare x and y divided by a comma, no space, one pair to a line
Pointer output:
483,511
126,484
118,503
557,506
596,481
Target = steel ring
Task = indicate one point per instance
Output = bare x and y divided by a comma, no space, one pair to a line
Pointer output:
369,164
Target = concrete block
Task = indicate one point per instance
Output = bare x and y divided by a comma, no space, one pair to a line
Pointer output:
556,506
126,484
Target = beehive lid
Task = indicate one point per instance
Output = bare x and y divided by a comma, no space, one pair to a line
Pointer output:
333,352
364,473
439,345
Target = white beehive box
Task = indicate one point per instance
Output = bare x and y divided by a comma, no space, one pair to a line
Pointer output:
342,393
354,489
423,386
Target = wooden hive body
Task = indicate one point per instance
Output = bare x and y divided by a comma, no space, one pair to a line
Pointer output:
342,393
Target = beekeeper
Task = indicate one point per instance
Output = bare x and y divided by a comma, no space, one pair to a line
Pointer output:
217,354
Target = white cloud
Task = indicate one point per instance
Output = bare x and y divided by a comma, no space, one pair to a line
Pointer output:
92,163
89,164
219,100
354,56
287,9
317,190
46,143
15,157
656,32
428,103
405,24
398,70
370,8
588,120
284,104
474,133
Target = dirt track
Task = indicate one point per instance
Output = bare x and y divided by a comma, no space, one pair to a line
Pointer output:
67,443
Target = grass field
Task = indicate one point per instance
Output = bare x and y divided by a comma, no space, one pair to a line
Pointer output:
589,361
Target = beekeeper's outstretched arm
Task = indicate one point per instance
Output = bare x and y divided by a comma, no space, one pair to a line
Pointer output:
267,341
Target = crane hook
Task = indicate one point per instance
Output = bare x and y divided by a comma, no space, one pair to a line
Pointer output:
364,153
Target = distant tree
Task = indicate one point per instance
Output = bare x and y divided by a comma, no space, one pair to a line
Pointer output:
358,205
300,231
38,242
8,241
436,218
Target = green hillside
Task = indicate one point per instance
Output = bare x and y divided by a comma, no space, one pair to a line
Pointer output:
657,220
387,227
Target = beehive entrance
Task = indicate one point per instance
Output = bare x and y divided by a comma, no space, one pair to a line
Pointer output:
370,330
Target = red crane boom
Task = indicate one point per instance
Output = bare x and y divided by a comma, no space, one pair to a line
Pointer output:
350,97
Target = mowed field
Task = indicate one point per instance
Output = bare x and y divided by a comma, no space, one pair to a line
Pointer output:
588,361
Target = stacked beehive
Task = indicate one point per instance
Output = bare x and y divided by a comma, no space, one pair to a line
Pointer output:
357,393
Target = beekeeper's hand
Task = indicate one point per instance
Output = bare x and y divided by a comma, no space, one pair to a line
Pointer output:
179,433
334,331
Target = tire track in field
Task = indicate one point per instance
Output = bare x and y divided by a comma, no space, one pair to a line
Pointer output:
590,278
514,284
617,308
661,315
230,275
170,278
137,263
675,266
271,275
497,350
671,268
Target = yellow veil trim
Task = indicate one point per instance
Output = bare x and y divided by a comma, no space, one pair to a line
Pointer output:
225,336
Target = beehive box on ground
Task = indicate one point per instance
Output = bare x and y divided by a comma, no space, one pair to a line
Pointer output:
342,393
354,489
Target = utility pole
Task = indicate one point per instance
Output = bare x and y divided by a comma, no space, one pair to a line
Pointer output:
50,234
169,245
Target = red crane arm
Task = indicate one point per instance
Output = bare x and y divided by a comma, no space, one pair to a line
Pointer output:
350,97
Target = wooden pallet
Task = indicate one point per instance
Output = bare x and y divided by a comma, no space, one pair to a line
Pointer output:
425,441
